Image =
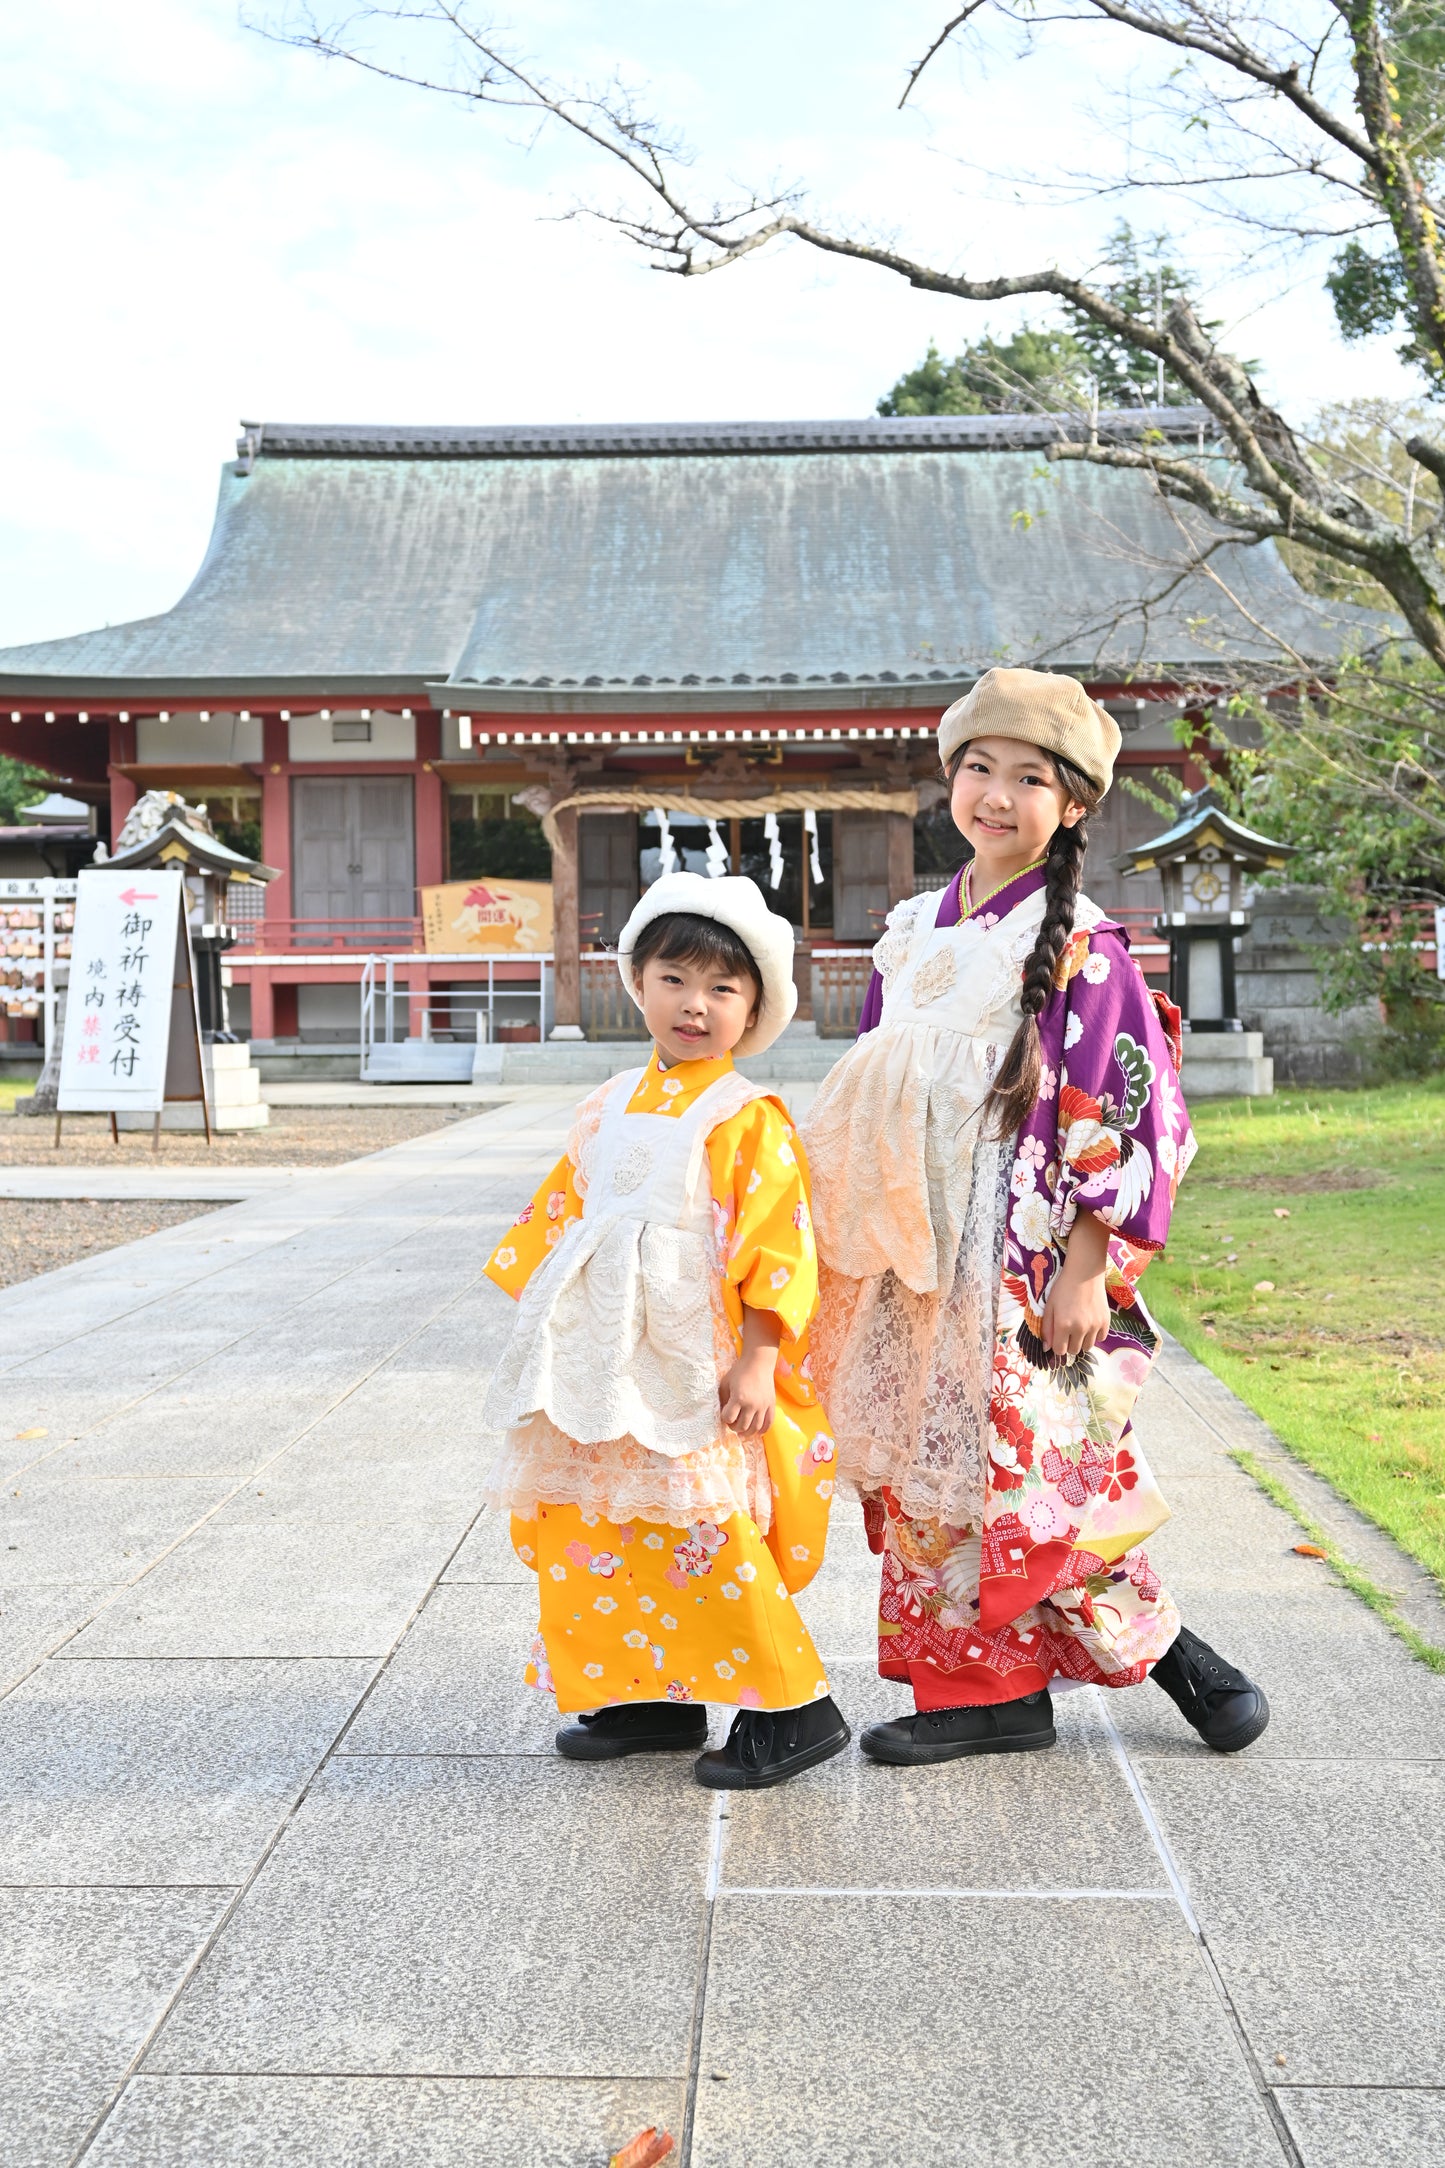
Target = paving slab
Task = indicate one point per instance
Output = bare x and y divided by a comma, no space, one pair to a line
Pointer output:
890,2029
996,1823
487,1556
445,1917
381,2122
54,1530
1321,1889
1367,2129
34,1621
222,1185
160,1773
452,1686
84,1977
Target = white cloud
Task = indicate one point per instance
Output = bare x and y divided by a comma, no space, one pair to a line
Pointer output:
204,226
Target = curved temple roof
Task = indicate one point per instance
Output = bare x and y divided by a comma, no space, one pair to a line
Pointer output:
684,564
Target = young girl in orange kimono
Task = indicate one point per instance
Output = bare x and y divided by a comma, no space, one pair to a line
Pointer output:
667,1464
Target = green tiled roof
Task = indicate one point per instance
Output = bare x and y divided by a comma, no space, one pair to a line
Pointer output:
678,564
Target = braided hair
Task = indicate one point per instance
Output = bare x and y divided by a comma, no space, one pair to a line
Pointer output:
1013,1094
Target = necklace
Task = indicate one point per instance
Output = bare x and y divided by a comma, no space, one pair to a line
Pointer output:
997,888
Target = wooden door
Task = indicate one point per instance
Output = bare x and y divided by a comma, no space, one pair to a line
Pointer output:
353,847
608,881
860,875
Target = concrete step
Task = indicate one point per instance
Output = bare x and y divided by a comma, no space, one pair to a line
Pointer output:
1226,1065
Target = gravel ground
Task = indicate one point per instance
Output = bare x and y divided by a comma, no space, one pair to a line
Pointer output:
296,1137
41,1237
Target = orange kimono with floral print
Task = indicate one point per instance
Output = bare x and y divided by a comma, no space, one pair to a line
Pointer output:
698,1607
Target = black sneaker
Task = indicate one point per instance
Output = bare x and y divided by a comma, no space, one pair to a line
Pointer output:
1226,1709
1022,1726
635,1727
767,1746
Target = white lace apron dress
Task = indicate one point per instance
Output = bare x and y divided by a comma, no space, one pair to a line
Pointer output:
607,1391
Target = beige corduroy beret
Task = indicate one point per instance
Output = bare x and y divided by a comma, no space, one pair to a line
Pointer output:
735,901
1036,708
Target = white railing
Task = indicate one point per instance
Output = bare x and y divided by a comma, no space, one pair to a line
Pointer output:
450,1010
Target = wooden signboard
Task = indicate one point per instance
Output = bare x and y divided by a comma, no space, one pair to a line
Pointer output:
132,1032
492,917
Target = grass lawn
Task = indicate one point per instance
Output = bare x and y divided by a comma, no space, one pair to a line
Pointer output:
1305,1266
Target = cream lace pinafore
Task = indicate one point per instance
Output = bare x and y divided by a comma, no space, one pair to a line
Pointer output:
608,1385
910,1205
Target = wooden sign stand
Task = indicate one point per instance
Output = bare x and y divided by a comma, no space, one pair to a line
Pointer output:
132,1029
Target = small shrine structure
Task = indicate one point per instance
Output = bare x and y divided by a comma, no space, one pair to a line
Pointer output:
1205,864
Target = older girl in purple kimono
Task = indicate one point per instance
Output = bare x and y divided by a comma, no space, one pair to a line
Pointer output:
994,1165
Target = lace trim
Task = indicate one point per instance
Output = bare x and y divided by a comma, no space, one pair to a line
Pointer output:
906,1377
622,1481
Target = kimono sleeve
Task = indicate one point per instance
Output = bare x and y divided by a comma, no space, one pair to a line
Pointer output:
1124,1140
760,1188
535,1229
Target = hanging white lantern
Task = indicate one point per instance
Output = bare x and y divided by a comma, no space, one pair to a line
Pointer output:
719,858
666,849
775,850
810,830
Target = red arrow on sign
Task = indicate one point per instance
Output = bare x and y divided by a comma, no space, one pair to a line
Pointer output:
137,895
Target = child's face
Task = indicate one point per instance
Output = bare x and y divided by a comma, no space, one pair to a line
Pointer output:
695,1012
1007,800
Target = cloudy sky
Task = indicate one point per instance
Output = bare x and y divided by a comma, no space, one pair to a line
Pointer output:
202,226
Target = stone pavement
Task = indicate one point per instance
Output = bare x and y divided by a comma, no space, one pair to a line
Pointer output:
288,1874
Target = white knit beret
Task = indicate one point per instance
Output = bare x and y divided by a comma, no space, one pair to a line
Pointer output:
1036,708
735,901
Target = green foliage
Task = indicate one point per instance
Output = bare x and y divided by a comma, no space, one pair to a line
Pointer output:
1043,369
1146,284
20,785
991,376
242,836
509,850
1360,443
1372,294
1354,777
1337,1200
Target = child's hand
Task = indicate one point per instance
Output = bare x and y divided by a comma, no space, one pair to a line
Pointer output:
1076,1315
749,1392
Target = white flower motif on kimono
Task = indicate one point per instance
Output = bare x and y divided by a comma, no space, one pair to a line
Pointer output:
724,1671
1030,1221
652,1541
747,1571
671,1086
1096,968
605,1604
647,1603
558,1573
755,1183
731,1590
554,1236
1168,1154
592,1671
787,1155
741,1656
1048,1082
526,1553
668,1623
780,1277
1031,1152
1073,1029
1023,1178
800,1218
801,1552
822,1448
825,1488
634,1640
504,1258
781,1591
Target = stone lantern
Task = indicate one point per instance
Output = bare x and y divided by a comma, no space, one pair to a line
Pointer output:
1205,862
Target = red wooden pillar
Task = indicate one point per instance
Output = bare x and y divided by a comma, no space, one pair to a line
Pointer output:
276,817
123,793
263,1013
430,805
566,934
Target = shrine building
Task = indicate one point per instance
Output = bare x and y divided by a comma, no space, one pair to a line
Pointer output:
421,655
